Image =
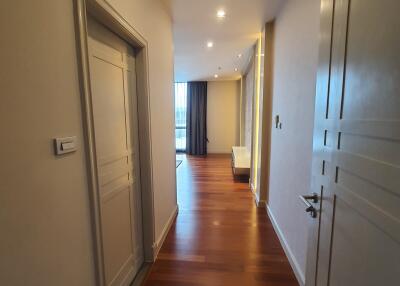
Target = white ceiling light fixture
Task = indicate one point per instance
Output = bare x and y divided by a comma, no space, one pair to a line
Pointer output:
221,14
236,69
210,44
215,76
239,56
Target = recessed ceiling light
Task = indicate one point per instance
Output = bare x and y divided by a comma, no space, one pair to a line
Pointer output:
210,44
236,69
216,76
239,56
221,14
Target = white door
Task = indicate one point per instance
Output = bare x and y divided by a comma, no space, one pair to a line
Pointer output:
355,236
113,88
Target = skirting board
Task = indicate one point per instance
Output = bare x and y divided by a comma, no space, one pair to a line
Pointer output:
157,245
259,203
142,274
292,260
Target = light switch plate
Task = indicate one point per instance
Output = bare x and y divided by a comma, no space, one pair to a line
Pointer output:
65,145
277,121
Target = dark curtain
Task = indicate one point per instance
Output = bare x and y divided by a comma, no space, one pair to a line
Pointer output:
196,118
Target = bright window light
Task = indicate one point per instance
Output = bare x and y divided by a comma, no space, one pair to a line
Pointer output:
180,115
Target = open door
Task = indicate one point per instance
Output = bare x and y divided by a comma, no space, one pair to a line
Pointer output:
355,211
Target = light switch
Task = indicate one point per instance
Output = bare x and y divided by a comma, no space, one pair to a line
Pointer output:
65,145
277,121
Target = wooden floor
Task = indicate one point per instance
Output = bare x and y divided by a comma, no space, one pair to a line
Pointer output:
219,236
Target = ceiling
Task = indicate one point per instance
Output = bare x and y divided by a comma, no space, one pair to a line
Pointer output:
195,22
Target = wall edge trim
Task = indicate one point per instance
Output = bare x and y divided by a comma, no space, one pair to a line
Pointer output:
259,203
160,241
289,254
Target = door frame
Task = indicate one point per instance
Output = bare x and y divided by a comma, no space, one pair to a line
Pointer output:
267,112
322,94
103,12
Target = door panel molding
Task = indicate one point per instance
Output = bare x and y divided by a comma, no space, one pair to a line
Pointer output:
102,11
356,164
382,220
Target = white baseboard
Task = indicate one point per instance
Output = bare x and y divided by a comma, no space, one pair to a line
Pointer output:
259,203
159,242
292,260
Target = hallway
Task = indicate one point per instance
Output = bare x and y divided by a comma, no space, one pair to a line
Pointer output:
219,237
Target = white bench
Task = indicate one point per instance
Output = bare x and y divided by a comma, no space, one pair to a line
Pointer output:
240,161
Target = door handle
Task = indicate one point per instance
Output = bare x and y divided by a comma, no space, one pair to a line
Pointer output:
309,207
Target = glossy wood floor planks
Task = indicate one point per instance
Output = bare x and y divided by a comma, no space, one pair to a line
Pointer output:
219,236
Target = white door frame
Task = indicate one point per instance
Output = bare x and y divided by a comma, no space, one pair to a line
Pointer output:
103,12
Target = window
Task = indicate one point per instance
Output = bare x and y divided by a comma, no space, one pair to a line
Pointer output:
180,115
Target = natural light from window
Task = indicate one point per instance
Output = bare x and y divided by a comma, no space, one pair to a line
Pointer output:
180,115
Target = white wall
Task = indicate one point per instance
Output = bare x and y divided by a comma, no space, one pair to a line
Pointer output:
154,23
44,204
294,72
223,115
249,92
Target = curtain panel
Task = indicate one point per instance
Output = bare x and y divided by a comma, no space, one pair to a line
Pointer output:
196,115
